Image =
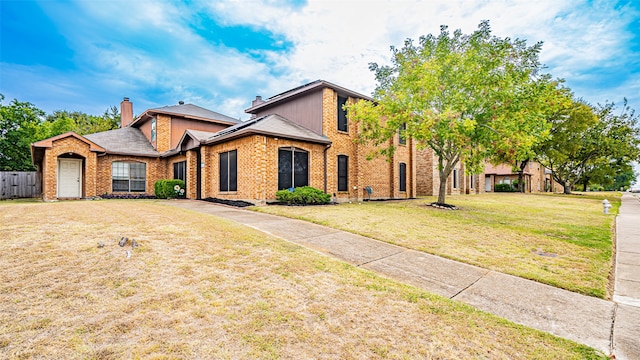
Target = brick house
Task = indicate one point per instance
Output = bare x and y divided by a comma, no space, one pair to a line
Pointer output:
299,137
428,180
536,177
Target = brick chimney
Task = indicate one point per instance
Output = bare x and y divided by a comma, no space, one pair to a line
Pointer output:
126,112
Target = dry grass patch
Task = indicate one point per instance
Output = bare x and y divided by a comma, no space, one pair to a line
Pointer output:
564,241
202,287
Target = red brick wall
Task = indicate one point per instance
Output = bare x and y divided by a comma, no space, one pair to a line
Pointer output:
257,167
65,147
379,173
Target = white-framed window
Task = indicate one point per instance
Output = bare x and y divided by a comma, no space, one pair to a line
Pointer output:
128,176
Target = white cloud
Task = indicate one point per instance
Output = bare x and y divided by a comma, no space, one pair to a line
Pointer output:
152,45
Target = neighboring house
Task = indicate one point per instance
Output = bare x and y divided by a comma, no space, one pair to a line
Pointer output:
428,179
296,138
536,177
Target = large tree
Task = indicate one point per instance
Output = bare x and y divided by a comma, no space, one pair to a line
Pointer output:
554,98
586,138
62,121
20,125
464,96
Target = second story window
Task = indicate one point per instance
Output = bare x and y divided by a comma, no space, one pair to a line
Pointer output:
402,134
153,129
342,114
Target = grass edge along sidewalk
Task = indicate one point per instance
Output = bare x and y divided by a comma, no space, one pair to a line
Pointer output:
559,240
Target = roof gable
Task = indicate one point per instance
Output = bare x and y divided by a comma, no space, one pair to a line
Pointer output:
304,89
47,143
271,125
188,111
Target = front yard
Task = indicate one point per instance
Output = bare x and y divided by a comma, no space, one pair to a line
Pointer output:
202,287
564,241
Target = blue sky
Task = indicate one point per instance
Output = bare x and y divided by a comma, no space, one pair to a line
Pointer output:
87,55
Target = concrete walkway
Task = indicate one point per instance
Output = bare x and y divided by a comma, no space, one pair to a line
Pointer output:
626,335
605,325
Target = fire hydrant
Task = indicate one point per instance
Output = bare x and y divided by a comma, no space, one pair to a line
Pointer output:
606,206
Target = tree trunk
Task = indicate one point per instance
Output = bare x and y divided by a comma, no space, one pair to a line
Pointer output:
567,188
442,190
521,187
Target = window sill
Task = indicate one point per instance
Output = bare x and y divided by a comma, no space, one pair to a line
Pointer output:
227,192
343,132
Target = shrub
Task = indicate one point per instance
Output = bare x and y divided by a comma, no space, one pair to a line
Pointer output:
169,188
305,195
504,188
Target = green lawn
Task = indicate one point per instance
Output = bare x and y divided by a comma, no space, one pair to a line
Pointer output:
201,287
564,241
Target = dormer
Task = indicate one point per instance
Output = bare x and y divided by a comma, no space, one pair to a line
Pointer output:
164,126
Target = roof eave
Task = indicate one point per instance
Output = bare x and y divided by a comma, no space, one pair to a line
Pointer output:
303,90
247,132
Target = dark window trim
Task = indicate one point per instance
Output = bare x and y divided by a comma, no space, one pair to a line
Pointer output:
228,171
403,176
343,121
455,178
294,181
402,134
343,176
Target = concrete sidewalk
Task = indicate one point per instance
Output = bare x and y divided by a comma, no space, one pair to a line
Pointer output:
626,336
604,325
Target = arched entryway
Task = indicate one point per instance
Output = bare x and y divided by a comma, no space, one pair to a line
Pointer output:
70,176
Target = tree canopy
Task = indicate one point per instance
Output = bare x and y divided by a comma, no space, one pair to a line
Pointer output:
585,139
22,123
467,97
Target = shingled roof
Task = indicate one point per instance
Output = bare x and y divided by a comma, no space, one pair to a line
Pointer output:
304,89
125,141
271,125
188,111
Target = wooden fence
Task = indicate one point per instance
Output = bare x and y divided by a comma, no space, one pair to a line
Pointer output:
20,184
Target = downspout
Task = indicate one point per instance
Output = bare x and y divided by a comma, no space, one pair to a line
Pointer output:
198,173
326,148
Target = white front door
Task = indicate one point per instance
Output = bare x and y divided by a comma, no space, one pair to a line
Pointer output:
69,178
487,184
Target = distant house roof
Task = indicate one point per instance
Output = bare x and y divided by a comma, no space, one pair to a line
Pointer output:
503,169
125,141
188,111
301,90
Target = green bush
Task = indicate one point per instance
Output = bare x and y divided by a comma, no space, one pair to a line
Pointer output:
305,195
166,189
504,188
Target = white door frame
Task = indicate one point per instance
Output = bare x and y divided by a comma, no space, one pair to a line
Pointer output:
73,173
487,183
